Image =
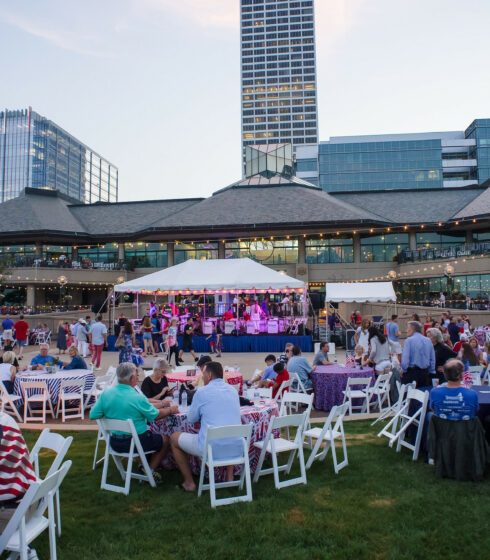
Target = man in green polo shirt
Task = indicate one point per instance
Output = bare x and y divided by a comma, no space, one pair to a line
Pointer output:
123,402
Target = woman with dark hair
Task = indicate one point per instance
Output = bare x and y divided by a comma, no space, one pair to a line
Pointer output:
127,336
468,356
380,351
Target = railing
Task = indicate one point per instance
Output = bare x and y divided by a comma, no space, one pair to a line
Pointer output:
41,309
84,264
452,252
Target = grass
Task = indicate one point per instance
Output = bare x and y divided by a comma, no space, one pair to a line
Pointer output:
381,506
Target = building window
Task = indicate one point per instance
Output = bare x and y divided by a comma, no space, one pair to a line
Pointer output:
334,249
264,251
196,251
17,255
92,254
383,248
142,254
433,240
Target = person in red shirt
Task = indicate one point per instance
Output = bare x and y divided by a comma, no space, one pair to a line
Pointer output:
228,315
21,334
282,375
458,345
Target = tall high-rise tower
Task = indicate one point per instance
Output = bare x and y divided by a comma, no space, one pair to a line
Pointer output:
278,72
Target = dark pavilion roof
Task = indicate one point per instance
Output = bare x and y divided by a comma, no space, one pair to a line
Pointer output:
253,204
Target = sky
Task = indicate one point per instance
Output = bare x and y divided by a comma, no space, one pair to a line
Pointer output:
154,85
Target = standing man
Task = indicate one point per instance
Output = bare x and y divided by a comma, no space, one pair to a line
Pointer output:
393,334
7,325
418,357
82,338
21,334
442,299
453,330
98,338
187,342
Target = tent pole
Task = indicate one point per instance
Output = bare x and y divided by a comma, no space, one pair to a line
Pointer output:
204,306
137,305
113,311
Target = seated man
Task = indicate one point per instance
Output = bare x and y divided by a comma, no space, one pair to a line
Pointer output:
321,357
452,401
215,404
43,358
266,377
77,362
300,365
122,402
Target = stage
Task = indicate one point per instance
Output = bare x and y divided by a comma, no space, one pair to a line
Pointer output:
246,343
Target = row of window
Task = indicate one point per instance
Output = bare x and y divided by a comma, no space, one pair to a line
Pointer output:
455,288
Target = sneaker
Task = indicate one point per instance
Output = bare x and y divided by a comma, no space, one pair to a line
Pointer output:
157,477
98,368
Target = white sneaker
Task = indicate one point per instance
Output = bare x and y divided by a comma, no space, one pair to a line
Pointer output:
98,368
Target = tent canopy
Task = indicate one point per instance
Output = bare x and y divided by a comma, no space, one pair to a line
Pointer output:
213,276
360,292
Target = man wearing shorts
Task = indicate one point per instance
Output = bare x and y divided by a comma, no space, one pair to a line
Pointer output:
123,402
7,325
21,334
187,342
393,334
215,404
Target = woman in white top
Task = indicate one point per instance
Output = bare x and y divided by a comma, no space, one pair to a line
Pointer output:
380,351
362,335
8,371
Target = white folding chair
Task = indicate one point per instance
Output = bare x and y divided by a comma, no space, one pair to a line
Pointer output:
264,392
360,393
290,404
102,382
107,426
296,383
274,446
282,390
71,390
36,392
58,444
407,418
332,429
486,376
244,432
395,407
380,391
476,372
7,402
29,521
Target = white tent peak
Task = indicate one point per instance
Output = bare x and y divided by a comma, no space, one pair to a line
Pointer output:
217,274
360,292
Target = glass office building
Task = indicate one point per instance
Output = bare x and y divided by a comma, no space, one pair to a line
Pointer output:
278,72
398,161
37,153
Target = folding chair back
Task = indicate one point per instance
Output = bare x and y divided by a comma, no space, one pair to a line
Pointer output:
7,402
486,376
361,392
279,445
282,391
296,383
36,392
395,407
71,390
244,432
39,497
332,430
107,426
475,372
381,390
102,382
292,401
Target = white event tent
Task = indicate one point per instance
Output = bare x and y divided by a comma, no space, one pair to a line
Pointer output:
360,292
213,276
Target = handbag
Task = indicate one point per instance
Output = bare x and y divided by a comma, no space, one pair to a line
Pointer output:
120,343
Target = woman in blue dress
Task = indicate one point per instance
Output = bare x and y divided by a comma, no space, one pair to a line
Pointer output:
127,335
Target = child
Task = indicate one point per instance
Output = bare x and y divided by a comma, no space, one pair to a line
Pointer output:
282,375
213,339
360,357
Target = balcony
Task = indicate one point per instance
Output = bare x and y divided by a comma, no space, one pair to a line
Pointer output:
452,252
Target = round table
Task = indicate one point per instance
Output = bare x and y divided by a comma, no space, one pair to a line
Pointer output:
259,416
231,377
330,381
53,380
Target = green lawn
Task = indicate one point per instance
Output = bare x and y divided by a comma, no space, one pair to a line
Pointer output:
381,506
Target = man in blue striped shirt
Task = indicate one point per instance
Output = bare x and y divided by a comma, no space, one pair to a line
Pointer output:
418,357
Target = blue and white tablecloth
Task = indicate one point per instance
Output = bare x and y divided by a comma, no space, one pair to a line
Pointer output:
53,380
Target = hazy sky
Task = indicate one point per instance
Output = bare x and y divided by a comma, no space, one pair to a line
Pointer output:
153,85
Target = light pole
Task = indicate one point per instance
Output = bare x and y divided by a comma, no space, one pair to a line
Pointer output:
62,281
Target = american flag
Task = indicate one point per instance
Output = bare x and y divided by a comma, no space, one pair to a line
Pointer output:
16,472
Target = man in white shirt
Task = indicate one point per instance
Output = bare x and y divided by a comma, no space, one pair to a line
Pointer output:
215,404
98,337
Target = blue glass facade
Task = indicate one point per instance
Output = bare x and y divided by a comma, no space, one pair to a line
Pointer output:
35,152
373,166
479,130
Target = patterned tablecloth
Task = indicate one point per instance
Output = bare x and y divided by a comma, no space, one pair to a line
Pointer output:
231,377
259,416
330,381
53,380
